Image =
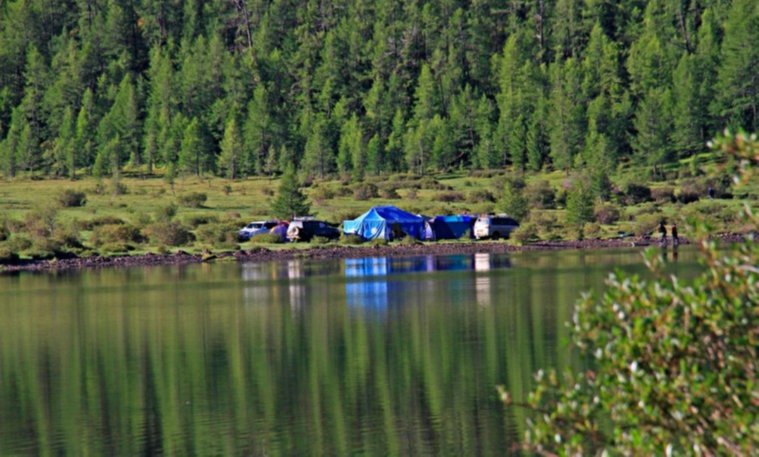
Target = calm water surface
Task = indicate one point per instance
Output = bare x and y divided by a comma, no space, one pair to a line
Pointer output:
382,356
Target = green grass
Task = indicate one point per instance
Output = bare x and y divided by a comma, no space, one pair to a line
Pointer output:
234,203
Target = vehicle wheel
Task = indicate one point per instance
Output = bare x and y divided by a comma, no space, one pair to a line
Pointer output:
496,236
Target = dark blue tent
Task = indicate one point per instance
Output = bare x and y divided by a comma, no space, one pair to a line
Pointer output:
451,227
385,222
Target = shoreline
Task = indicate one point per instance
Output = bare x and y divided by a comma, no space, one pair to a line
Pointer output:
261,254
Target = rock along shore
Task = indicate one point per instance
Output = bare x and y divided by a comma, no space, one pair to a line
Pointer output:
261,254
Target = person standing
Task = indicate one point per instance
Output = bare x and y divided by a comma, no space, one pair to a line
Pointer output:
675,238
663,232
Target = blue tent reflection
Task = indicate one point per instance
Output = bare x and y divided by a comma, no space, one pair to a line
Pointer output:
374,282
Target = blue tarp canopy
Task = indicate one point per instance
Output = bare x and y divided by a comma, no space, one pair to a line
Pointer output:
382,222
451,227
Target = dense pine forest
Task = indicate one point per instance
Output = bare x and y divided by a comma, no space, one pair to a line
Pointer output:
357,87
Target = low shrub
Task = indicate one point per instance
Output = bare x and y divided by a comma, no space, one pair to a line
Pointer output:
320,240
480,195
636,193
350,239
116,187
7,255
232,216
377,242
689,192
115,234
408,241
646,224
166,213
411,194
525,233
227,189
70,198
222,235
591,231
41,222
449,196
606,213
430,183
389,192
268,191
193,199
68,237
663,194
18,243
169,234
197,220
365,191
266,238
116,248
541,195
5,232
321,193
90,224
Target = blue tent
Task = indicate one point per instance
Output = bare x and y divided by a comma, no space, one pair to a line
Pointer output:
384,222
451,227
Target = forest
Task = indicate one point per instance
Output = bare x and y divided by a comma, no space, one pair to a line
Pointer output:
355,88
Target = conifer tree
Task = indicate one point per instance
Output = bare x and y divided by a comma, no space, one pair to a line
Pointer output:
652,143
738,85
192,155
290,201
230,158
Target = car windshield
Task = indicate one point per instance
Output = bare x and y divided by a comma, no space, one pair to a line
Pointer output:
254,225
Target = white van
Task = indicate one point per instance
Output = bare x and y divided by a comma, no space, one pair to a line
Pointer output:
495,227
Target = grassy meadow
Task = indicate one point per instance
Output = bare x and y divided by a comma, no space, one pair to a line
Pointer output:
137,214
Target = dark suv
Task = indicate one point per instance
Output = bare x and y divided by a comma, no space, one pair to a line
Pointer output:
304,229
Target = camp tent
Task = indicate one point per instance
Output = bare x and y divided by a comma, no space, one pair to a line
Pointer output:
451,227
385,222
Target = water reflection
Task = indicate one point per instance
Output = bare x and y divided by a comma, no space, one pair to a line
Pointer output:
285,358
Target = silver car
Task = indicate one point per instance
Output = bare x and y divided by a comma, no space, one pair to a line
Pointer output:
255,228
494,226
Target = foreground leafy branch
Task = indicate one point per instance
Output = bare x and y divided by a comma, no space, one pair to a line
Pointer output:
674,363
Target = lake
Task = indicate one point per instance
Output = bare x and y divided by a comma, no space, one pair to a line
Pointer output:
380,356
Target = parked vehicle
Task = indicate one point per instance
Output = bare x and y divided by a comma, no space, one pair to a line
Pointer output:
304,229
494,226
255,228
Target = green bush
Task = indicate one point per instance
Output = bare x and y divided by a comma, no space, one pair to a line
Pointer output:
540,194
389,192
646,224
41,222
606,213
320,240
636,193
350,239
480,196
169,234
525,233
513,201
591,231
579,204
266,238
223,235
5,232
7,255
115,234
193,199
365,191
449,196
321,193
197,220
663,194
70,198
18,243
166,213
